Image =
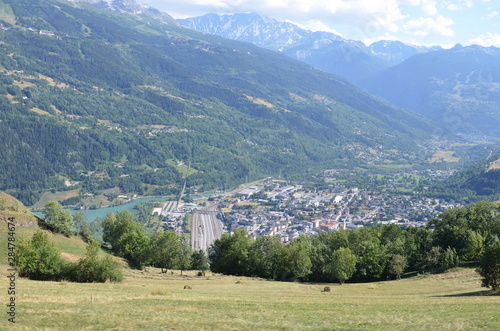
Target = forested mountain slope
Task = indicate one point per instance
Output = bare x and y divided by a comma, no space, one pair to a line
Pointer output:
481,181
107,99
457,88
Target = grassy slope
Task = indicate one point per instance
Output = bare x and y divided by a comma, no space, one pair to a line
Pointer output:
11,207
71,248
58,196
152,301
149,300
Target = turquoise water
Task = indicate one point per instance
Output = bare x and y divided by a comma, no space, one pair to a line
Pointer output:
101,212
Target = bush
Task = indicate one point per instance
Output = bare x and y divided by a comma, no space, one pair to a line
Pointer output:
91,269
449,258
39,259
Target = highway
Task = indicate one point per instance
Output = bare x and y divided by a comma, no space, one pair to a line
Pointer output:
205,228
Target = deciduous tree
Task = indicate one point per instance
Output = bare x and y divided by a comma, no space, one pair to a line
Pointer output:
342,265
397,265
126,237
489,266
58,219
199,261
164,250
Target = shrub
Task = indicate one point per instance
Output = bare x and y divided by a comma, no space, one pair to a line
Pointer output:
91,269
449,258
39,259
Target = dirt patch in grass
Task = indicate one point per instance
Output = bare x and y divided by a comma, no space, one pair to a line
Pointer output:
70,257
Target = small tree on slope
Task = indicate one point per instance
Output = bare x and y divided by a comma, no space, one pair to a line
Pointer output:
489,267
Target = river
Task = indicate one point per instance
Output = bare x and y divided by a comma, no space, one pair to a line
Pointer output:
92,214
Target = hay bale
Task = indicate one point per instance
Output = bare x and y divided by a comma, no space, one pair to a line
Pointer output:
327,289
187,287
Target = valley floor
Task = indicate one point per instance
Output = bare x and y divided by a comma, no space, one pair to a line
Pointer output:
149,300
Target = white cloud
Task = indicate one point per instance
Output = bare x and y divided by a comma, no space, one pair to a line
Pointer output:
486,40
460,4
361,13
490,16
429,26
366,20
428,7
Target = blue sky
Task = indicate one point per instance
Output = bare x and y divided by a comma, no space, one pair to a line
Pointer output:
420,22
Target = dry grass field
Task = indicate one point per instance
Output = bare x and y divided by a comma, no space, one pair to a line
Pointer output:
149,300
443,156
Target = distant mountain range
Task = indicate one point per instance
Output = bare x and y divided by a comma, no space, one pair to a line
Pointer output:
458,89
323,50
114,97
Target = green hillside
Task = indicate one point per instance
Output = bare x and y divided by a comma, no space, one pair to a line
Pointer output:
103,100
71,248
10,207
26,224
481,181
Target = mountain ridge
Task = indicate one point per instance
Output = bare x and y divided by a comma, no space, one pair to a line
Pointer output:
456,88
323,50
131,95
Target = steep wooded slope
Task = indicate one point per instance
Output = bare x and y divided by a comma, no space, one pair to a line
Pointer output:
104,99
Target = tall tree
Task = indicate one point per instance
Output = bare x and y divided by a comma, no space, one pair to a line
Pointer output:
184,257
397,265
265,256
489,267
199,261
297,258
164,250
81,225
127,237
229,254
342,265
372,260
58,219
468,230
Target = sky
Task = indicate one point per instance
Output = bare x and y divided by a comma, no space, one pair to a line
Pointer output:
417,22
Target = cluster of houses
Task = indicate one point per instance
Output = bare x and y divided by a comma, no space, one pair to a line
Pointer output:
288,210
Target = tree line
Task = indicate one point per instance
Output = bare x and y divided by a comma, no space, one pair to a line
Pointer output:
163,249
381,252
128,239
39,259
468,234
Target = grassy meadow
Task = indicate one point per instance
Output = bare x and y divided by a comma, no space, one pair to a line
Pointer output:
149,300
